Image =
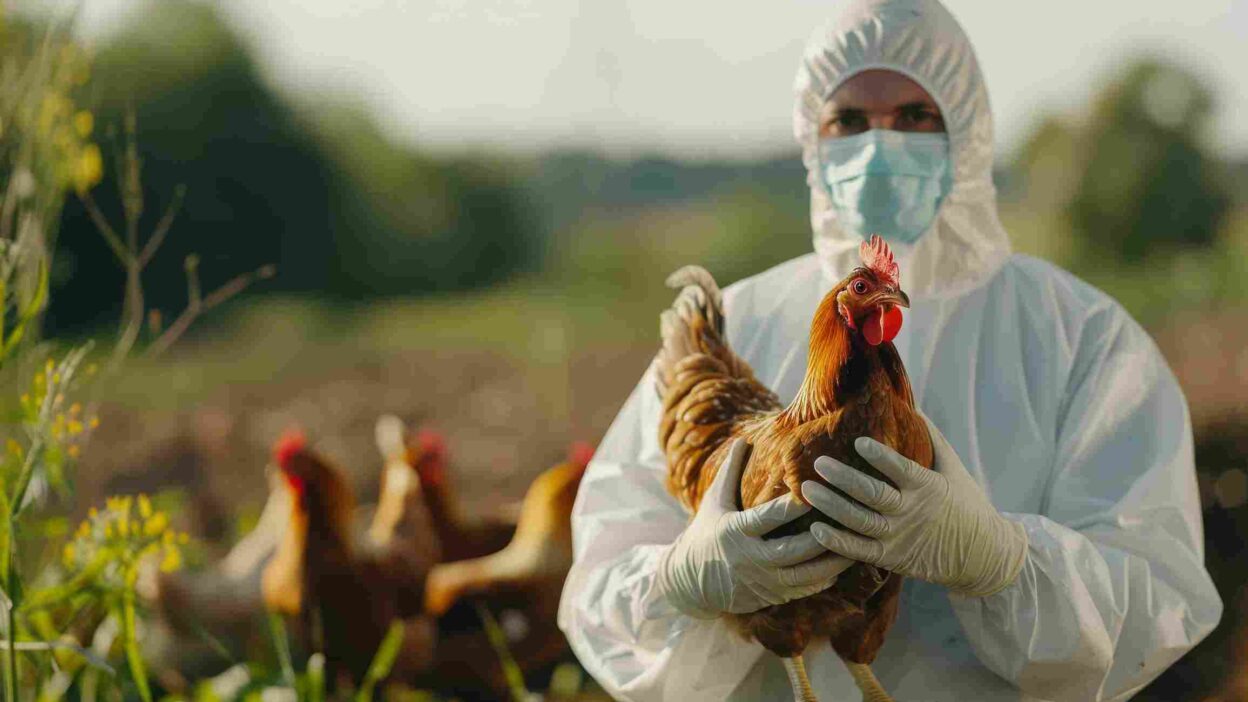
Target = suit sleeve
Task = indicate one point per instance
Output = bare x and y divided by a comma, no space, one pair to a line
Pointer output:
636,645
1114,588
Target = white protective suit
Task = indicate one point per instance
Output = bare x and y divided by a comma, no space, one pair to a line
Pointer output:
1057,402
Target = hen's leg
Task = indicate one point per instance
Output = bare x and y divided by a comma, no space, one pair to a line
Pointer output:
872,690
796,668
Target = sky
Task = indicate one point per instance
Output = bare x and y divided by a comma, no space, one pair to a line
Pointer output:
691,78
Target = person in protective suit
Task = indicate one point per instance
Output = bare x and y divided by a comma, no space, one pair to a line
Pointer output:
1055,552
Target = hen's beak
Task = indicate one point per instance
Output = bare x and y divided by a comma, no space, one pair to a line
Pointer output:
890,296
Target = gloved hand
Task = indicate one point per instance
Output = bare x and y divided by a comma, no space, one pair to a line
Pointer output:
721,563
937,525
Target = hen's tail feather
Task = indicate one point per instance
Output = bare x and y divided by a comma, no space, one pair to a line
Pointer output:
712,300
796,668
389,434
693,325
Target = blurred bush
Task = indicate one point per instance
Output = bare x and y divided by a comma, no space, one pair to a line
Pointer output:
1131,197
1146,184
315,188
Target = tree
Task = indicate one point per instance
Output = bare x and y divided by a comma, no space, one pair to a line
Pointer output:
1145,183
340,209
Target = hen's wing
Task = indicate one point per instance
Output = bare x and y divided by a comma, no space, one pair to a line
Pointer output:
708,391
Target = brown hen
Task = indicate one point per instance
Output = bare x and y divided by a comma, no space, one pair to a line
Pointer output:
855,385
348,587
461,536
522,582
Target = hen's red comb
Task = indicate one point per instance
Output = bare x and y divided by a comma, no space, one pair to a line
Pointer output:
580,453
878,258
292,441
431,442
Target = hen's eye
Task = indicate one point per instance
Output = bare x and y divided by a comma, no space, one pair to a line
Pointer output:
860,286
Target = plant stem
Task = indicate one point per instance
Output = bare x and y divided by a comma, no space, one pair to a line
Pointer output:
10,686
282,647
511,671
137,670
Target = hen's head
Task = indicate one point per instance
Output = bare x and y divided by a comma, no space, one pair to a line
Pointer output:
580,453
287,446
426,452
870,298
318,488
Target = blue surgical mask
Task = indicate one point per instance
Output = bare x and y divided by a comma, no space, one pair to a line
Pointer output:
886,182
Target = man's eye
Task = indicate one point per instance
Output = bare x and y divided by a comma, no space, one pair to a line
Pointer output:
844,123
919,115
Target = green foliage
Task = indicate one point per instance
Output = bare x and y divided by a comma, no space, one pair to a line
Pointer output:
409,223
315,188
498,641
1147,184
1131,199
383,661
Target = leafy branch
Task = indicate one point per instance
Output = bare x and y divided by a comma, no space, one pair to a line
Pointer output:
134,257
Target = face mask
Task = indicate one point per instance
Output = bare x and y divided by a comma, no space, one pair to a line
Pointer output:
886,182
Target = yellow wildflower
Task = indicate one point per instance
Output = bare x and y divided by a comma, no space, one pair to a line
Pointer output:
88,169
145,506
83,123
172,560
95,422
156,525
73,451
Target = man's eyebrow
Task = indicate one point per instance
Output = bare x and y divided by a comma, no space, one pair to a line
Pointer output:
918,105
845,112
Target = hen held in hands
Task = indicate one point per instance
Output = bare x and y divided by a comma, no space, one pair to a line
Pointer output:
855,385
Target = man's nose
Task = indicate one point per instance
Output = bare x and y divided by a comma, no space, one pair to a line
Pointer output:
881,121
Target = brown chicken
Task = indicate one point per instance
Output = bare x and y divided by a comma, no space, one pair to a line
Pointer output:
854,386
460,536
348,587
522,583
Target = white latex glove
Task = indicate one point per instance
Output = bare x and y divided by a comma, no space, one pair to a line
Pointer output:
721,563
937,525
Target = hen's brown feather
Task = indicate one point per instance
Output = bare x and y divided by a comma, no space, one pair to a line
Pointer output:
710,395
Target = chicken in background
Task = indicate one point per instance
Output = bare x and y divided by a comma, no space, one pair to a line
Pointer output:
855,385
221,604
522,583
347,587
461,537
